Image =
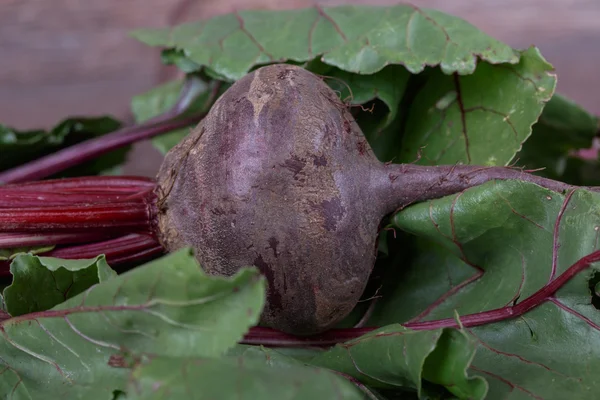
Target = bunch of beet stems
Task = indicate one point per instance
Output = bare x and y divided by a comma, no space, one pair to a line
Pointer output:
81,217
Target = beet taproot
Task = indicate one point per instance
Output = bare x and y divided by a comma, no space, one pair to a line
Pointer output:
278,175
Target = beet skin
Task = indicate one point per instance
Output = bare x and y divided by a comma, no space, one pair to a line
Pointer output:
279,175
270,178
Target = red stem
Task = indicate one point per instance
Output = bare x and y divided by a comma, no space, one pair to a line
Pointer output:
71,206
72,218
103,184
20,199
137,258
173,119
114,249
34,203
270,337
123,250
79,153
15,240
111,215
405,184
521,308
273,338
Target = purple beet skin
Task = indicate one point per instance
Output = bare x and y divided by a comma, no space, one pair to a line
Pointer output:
280,176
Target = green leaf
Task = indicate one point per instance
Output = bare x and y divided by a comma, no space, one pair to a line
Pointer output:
275,357
479,119
40,283
19,147
234,378
290,358
168,307
564,126
396,357
521,236
358,39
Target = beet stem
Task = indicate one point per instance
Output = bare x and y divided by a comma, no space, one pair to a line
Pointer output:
94,184
85,151
20,199
127,249
114,216
72,218
136,258
273,338
521,308
66,211
15,240
114,249
405,184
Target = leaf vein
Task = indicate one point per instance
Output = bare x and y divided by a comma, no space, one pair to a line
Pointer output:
331,21
51,335
32,353
88,338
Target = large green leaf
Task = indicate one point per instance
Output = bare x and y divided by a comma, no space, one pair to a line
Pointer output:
168,307
359,39
479,119
235,378
521,236
19,147
40,283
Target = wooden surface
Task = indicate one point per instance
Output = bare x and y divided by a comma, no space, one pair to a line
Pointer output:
66,57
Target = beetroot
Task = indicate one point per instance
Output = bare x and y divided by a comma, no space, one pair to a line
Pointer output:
278,175
274,177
